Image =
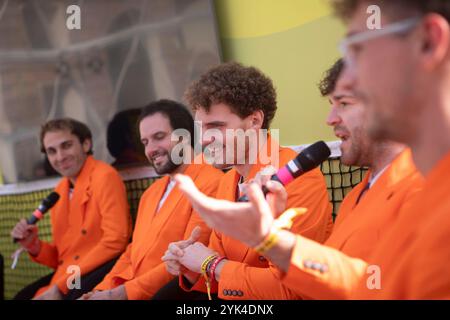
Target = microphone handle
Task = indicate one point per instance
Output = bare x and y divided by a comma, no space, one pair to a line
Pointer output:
264,189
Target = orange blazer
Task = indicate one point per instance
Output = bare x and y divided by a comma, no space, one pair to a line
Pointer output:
415,256
91,228
333,270
140,267
247,274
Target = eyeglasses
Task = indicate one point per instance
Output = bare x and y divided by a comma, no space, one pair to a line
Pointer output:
345,46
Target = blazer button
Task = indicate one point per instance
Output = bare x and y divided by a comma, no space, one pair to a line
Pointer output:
76,257
262,259
234,293
317,266
240,293
83,232
323,268
225,292
229,293
308,264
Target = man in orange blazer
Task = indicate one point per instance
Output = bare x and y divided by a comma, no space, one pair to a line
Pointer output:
91,225
367,211
415,256
164,214
411,260
233,97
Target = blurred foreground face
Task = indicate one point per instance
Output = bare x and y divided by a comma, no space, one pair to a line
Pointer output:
156,131
384,75
347,117
65,152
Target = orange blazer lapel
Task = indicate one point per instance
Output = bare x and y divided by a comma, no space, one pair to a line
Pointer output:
143,237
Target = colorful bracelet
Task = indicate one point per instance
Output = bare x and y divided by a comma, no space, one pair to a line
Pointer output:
204,267
206,262
212,270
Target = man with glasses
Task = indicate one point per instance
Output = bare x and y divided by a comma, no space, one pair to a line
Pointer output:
402,75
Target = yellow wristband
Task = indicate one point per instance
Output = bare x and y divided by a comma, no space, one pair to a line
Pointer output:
207,261
205,274
284,221
269,241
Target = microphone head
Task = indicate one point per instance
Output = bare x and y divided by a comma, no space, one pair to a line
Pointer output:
313,156
50,201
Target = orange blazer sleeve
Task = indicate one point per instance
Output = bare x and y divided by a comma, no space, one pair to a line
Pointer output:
48,255
115,225
321,272
121,264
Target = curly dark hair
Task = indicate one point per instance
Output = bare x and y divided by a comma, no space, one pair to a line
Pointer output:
244,89
328,83
397,8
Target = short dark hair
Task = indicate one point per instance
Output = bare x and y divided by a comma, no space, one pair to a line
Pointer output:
75,127
244,89
177,113
396,8
328,83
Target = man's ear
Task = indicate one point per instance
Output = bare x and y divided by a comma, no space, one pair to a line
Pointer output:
256,119
436,41
87,145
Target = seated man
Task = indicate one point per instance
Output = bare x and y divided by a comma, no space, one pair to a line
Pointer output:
234,97
91,225
164,214
364,215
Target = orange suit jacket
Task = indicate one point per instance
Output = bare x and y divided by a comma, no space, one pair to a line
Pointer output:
334,270
91,228
415,256
140,267
247,274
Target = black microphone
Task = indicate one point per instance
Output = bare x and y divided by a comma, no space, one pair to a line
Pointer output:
307,160
45,205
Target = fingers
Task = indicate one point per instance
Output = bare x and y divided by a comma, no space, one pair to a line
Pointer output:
187,186
204,205
256,197
86,296
195,235
168,256
174,268
20,229
175,250
277,189
277,197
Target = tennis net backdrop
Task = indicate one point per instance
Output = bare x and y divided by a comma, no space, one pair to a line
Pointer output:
18,201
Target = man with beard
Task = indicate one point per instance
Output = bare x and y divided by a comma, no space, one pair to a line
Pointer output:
402,74
232,98
365,213
164,214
